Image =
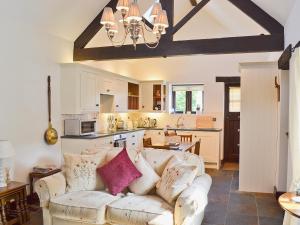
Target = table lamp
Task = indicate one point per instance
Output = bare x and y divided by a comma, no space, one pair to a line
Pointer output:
6,151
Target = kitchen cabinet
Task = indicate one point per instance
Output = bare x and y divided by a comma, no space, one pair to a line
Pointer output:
210,146
121,96
89,96
76,146
135,140
153,96
79,92
106,85
133,96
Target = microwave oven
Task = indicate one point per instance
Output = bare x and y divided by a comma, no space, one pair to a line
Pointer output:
76,127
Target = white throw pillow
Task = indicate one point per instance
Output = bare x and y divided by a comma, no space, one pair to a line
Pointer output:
177,176
147,181
81,173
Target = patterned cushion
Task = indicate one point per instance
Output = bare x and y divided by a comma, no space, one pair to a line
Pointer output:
140,210
82,206
176,177
118,173
158,159
80,171
147,181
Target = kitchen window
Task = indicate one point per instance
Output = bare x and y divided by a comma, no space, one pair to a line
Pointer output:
187,98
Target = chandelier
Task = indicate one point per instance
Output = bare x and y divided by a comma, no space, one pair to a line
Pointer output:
134,24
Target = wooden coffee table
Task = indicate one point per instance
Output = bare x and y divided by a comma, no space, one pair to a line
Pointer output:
286,203
15,192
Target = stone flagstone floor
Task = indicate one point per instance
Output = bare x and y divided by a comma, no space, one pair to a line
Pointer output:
228,206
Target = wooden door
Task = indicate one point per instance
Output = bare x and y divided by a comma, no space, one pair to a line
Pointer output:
232,122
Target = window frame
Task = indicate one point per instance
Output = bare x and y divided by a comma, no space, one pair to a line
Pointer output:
188,99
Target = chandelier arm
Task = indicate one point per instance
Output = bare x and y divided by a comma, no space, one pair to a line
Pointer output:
119,43
150,44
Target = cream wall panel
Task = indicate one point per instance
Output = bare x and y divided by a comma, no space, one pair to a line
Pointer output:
258,138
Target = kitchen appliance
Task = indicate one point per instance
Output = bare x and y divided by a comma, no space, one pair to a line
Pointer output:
77,127
120,140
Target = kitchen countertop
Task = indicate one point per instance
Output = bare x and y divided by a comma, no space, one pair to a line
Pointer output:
103,135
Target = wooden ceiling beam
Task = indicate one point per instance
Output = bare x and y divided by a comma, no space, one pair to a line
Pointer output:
190,15
93,28
259,16
248,44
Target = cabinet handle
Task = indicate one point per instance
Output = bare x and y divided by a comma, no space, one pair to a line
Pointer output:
133,136
107,90
97,105
133,143
159,133
111,142
117,106
143,106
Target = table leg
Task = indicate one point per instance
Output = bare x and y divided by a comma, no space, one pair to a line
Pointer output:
4,221
18,208
25,206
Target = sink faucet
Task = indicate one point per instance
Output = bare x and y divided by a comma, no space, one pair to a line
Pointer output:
178,125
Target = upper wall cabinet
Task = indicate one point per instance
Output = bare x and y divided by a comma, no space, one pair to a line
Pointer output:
106,85
121,95
153,96
79,91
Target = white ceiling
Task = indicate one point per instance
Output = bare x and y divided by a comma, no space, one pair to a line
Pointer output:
68,18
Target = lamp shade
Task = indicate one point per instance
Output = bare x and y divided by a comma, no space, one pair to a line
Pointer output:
123,5
108,16
134,12
162,19
6,149
156,9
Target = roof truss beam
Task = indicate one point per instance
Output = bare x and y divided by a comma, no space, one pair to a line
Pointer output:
168,47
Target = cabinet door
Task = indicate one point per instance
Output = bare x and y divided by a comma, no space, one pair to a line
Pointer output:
209,148
105,86
89,96
121,96
146,97
132,141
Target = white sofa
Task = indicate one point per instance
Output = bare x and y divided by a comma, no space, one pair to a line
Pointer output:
99,207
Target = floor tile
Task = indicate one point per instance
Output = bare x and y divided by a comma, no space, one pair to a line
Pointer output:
234,219
270,221
242,209
242,198
215,213
270,212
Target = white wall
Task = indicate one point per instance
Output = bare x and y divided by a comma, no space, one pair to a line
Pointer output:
26,58
291,28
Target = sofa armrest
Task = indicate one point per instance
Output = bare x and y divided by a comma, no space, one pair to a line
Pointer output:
50,187
192,201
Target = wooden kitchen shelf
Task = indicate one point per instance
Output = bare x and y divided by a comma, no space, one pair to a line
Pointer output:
133,96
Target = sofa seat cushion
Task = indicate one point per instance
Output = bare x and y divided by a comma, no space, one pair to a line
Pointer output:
82,206
140,210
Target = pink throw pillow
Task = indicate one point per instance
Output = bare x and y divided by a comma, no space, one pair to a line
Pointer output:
119,173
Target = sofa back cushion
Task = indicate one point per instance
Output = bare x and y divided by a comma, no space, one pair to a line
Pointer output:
80,171
158,159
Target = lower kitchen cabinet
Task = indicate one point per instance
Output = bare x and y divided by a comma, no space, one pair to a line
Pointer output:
76,146
134,140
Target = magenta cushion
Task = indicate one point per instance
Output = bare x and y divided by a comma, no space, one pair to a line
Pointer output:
118,173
